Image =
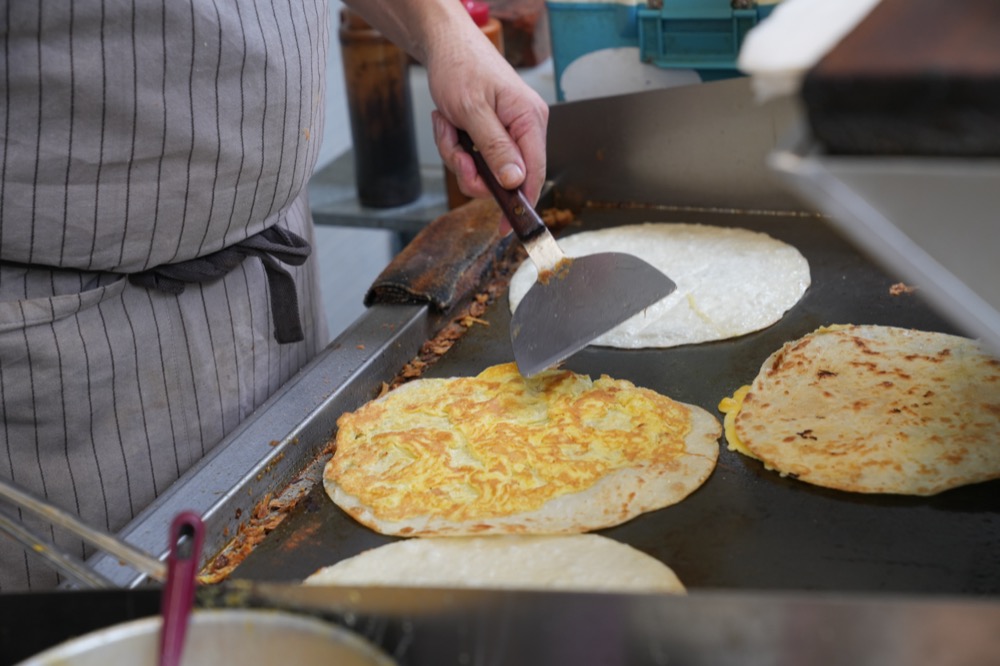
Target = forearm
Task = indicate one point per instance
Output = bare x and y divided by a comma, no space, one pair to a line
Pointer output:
473,88
420,27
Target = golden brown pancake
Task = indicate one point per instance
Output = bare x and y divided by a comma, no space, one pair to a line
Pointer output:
873,409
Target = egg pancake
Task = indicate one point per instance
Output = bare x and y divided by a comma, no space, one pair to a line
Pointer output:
498,453
577,562
873,409
730,281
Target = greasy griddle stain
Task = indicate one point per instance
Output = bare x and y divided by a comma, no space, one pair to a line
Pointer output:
901,288
292,543
264,518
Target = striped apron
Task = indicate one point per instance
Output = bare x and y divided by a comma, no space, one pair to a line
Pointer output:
138,135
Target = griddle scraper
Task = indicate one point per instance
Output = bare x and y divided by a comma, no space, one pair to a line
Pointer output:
574,300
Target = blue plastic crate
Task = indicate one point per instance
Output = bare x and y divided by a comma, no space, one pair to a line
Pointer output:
579,28
700,35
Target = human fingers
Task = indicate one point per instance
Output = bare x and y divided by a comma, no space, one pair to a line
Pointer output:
457,159
509,132
528,130
505,117
462,164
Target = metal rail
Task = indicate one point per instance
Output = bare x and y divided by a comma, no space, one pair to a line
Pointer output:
268,450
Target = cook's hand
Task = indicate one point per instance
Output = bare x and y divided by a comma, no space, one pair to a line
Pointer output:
476,89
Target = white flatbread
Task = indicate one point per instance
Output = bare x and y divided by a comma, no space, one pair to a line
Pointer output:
579,562
730,281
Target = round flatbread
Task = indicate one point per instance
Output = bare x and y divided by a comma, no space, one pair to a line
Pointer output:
730,281
873,409
500,454
578,562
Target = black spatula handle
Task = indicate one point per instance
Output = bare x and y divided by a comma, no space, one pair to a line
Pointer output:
525,222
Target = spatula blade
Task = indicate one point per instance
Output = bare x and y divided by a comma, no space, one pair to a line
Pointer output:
561,315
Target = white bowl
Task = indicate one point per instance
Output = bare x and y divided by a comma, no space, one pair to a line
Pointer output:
245,637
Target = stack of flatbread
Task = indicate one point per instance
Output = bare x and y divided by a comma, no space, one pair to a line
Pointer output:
873,409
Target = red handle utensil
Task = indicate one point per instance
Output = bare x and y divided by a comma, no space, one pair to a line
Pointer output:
187,533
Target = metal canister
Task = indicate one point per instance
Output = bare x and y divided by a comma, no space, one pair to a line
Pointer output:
380,107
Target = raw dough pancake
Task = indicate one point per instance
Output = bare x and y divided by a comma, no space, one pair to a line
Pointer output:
497,453
873,409
576,562
730,281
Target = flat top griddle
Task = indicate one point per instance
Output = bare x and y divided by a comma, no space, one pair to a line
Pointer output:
746,528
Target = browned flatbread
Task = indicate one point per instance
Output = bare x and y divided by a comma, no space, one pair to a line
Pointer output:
874,409
500,454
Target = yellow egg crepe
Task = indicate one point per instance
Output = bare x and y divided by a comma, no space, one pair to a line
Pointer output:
501,454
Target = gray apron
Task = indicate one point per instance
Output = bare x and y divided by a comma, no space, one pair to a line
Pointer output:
137,136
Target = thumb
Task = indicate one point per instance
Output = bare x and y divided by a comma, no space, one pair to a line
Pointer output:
501,153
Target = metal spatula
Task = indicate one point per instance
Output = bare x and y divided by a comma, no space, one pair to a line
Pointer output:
574,300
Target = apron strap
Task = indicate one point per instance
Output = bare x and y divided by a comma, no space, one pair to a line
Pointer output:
270,246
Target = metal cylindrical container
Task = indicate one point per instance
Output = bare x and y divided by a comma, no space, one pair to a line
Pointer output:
380,107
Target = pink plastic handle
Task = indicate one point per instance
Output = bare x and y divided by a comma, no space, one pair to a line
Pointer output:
187,533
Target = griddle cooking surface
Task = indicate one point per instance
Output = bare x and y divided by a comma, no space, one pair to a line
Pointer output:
746,528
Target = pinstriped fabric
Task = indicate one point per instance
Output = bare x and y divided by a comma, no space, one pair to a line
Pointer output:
137,134
198,127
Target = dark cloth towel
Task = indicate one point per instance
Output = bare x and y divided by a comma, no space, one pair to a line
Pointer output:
445,261
270,246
